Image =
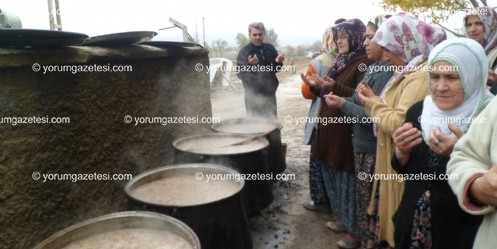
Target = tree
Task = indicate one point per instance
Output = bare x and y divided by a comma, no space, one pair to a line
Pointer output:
241,40
290,51
219,46
437,10
316,46
271,37
300,50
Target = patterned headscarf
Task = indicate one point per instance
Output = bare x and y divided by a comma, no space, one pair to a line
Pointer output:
408,37
328,34
470,61
355,29
411,40
378,20
488,17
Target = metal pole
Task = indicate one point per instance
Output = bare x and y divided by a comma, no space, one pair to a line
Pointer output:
50,15
57,13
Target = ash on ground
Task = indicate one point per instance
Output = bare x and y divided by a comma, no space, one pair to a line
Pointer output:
267,229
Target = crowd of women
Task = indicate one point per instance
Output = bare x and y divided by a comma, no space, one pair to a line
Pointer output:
436,82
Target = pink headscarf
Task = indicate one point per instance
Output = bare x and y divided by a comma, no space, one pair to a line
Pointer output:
408,37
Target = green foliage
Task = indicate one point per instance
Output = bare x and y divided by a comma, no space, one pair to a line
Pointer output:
436,10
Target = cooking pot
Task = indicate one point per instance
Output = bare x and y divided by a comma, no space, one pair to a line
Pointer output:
248,159
253,126
213,208
125,230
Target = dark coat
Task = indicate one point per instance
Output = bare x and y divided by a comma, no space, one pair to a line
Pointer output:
259,79
333,143
451,227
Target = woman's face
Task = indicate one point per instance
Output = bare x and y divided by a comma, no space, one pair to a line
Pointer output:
343,43
373,50
446,86
475,28
392,58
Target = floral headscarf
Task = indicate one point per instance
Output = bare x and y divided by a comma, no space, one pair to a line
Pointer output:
470,61
488,17
408,37
378,20
355,29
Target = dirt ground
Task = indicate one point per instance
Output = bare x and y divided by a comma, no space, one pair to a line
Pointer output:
285,224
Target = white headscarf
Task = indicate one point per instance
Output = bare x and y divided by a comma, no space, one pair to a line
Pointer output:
488,17
469,58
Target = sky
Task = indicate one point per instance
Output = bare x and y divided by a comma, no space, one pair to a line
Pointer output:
295,22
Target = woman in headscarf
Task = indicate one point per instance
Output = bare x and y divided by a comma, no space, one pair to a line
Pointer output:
321,66
407,42
429,215
363,139
480,25
333,143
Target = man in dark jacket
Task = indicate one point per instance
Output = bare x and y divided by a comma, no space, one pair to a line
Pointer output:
258,63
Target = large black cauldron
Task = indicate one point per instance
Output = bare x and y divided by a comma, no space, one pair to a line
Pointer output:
254,126
219,224
123,222
248,159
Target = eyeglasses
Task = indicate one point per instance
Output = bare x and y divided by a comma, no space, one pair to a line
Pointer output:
368,36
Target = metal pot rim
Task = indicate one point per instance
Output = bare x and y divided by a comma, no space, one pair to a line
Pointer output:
152,173
188,234
177,141
246,120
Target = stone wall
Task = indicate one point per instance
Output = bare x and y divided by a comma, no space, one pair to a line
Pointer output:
163,83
